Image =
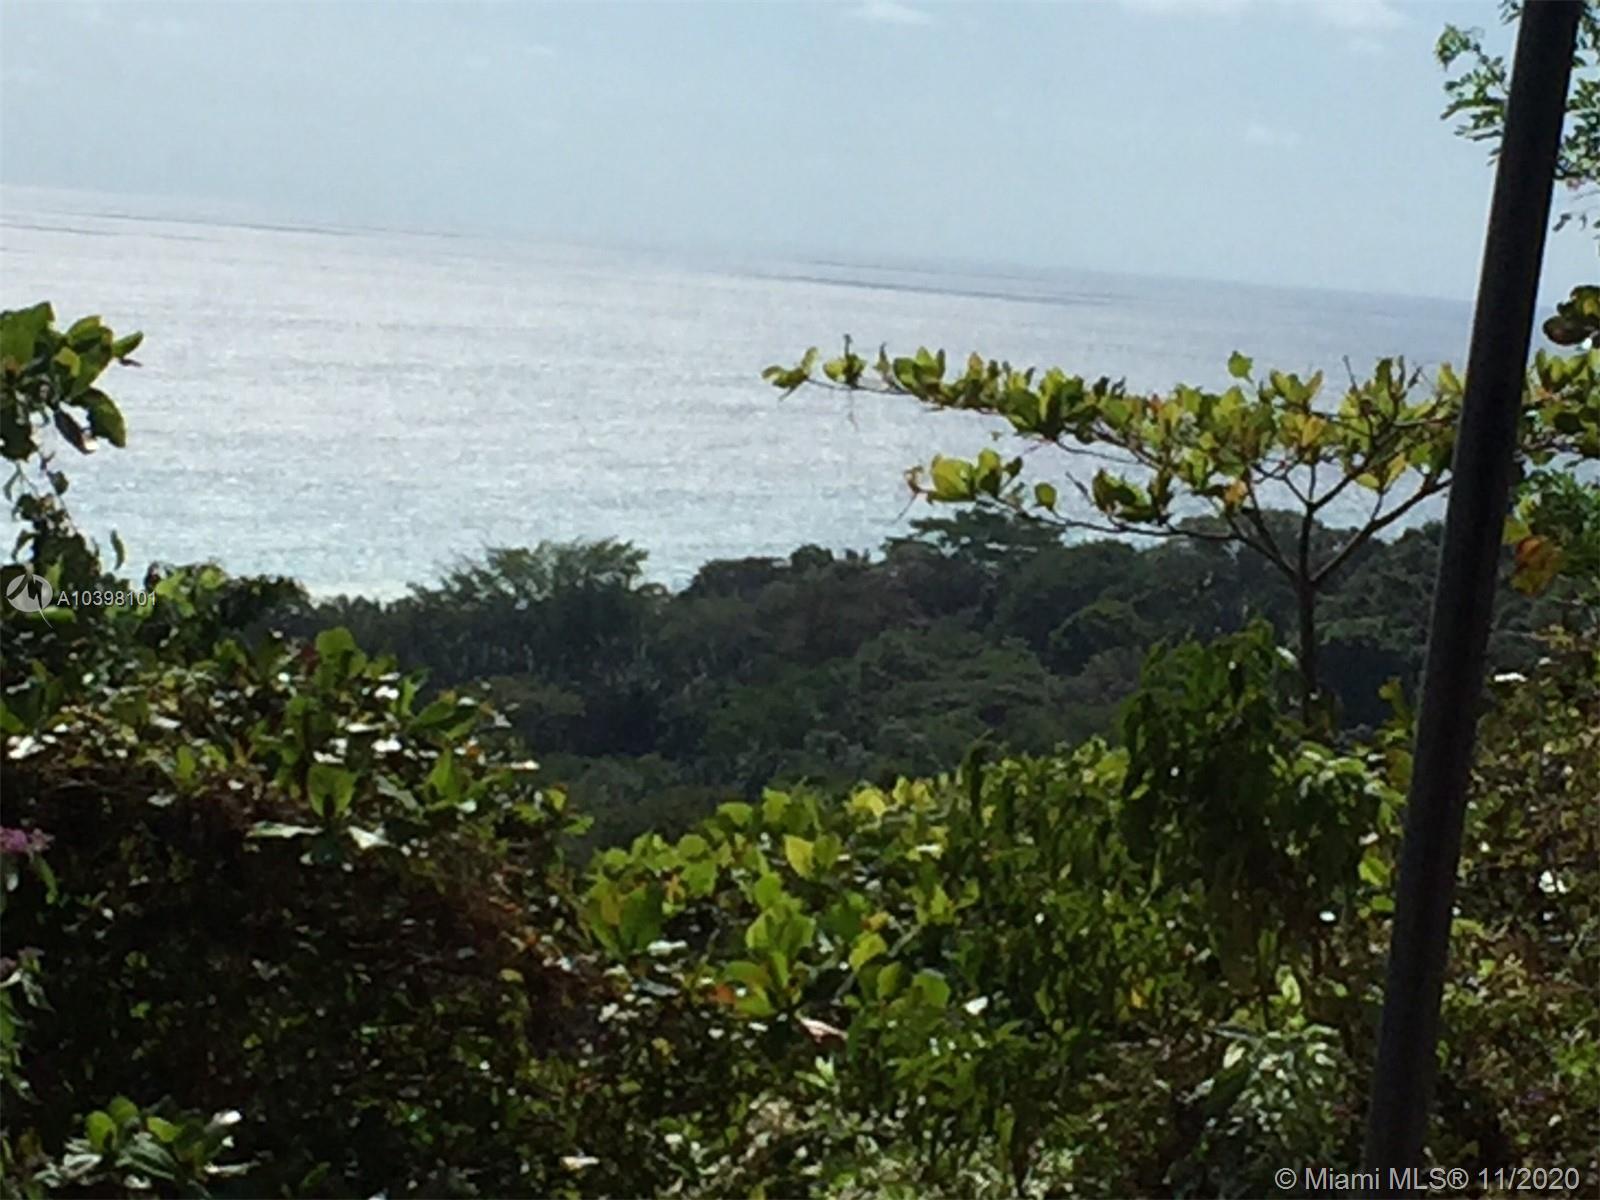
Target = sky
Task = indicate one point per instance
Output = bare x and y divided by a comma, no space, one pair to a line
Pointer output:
1295,142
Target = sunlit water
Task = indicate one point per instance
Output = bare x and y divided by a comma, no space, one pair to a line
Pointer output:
358,408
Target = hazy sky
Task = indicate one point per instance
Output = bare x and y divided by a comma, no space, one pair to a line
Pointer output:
1295,141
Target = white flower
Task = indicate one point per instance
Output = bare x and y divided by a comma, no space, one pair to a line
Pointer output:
974,1007
1552,885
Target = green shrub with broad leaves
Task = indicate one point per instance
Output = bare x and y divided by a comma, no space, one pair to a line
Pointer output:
998,957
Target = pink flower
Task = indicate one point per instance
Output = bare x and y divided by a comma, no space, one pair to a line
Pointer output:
22,841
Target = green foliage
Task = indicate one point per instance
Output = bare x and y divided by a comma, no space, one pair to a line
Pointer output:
1279,1095
1556,531
353,890
1208,465
1221,790
836,670
1577,319
1477,94
1111,971
48,391
128,1149
48,373
1525,964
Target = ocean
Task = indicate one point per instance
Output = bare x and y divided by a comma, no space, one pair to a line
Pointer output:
359,408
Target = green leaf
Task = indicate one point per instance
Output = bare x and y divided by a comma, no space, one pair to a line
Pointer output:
700,878
1240,366
800,853
768,890
100,1131
122,1111
774,806
331,789
641,917
445,779
278,829
736,812
1396,468
1044,495
331,643
20,332
184,765
868,947
105,420
952,479
755,1003
84,328
166,1132
931,988
758,934
748,973
1373,869
1289,987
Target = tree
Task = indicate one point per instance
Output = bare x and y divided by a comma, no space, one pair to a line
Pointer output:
1213,466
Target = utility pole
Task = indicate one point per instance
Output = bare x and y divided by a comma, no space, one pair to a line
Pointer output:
1463,596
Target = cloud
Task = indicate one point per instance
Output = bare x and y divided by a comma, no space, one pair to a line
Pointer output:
890,12
1258,133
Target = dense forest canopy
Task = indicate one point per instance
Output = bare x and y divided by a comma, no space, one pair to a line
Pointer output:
1001,860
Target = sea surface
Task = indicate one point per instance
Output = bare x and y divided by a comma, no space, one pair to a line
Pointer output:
358,408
